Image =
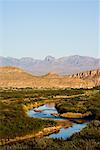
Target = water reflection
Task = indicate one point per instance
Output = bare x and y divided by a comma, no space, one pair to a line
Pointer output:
65,133
50,105
46,111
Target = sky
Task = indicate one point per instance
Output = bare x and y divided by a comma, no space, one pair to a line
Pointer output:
38,28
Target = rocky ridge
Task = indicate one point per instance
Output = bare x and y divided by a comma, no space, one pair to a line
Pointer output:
15,77
62,66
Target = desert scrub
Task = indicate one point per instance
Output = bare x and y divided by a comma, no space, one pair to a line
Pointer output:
88,139
15,122
35,93
81,104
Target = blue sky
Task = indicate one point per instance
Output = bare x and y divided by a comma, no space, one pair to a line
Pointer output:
30,28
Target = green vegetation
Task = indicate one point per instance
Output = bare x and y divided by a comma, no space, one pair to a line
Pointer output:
13,119
35,93
15,122
87,139
81,104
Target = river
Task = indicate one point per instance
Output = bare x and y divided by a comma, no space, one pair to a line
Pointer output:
46,111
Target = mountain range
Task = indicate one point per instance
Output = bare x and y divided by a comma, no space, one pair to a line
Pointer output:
62,66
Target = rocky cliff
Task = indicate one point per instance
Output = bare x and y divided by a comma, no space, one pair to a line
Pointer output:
15,77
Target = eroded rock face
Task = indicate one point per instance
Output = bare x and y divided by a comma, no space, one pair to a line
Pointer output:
15,77
87,74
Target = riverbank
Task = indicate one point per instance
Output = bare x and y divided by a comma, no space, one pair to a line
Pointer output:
88,138
72,115
44,132
14,122
80,107
64,129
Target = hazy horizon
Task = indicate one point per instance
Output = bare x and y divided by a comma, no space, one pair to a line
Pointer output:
58,28
47,56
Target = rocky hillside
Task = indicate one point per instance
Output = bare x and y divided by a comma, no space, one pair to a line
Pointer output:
15,77
62,66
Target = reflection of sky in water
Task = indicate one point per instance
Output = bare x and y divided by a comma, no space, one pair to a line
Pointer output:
47,110
67,132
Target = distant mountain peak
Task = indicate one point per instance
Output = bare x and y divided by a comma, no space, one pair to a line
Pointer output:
49,58
63,66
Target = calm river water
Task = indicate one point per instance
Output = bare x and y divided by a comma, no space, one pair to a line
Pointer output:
46,111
